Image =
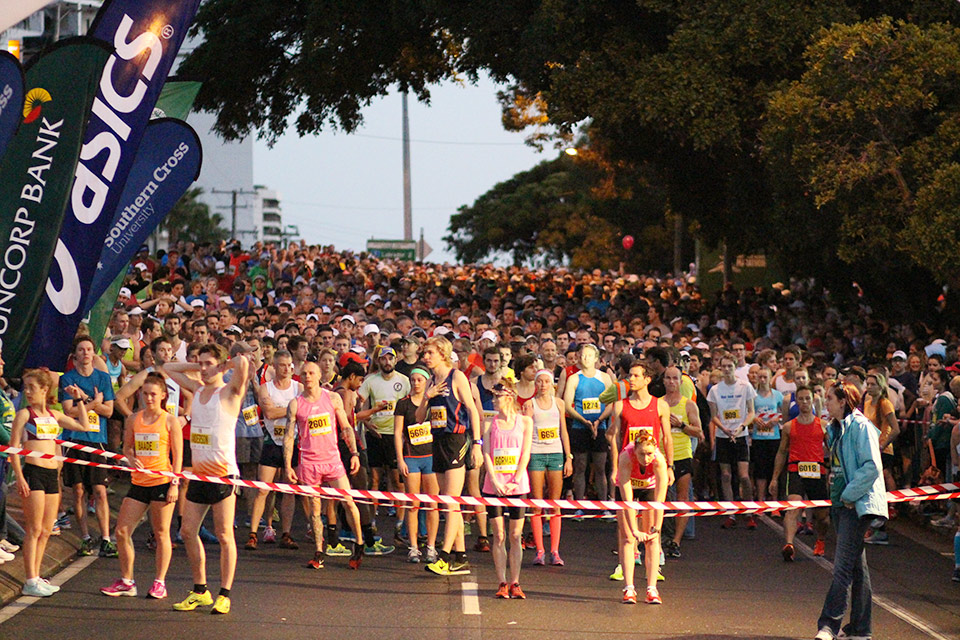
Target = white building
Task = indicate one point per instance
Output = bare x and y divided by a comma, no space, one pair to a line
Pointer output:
267,216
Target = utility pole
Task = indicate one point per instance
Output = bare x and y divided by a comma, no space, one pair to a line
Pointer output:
407,206
233,206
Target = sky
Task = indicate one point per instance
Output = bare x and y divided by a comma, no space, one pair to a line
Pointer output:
347,188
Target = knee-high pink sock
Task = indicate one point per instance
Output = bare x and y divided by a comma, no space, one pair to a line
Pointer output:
536,525
555,533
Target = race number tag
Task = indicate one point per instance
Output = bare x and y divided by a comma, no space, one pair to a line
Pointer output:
279,429
438,417
641,483
320,425
389,409
634,431
172,409
420,434
47,427
147,444
489,414
506,460
93,421
731,414
199,438
809,470
547,433
250,417
591,405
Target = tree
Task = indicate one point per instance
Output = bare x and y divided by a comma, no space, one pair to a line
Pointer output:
192,219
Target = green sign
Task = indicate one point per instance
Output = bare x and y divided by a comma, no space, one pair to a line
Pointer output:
393,249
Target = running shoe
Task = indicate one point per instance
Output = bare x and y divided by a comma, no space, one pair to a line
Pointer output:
413,556
269,535
400,541
151,542
729,523
503,592
221,606
482,545
546,526
608,515
660,576
578,515
108,549
555,559
378,549
55,531
206,536
671,549
516,593
86,547
251,542
788,552
617,573
956,574
819,548
317,561
38,589
875,536
6,556
194,600
120,588
801,528
540,560
528,542
629,595
432,555
824,634
439,567
653,596
286,542
356,557
91,507
64,521
945,521
459,567
751,523
467,528
50,586
808,529
392,511
8,546
338,550
158,590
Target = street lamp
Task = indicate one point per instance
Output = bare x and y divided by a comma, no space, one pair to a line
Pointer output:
571,151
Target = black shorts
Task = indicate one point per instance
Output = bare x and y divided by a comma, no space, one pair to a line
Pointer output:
382,451
345,457
147,495
41,479
449,450
582,441
683,468
812,488
469,460
887,460
763,454
271,455
89,477
644,495
187,454
731,451
209,492
249,450
513,513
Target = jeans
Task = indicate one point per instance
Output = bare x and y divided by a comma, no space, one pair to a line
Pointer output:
850,576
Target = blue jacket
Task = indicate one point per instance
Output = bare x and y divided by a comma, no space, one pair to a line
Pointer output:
859,453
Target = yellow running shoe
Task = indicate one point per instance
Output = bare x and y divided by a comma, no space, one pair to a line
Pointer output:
194,600
440,567
221,606
660,577
617,573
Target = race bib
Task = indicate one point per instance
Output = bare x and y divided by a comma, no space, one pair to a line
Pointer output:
199,438
731,414
388,410
547,433
634,431
147,444
677,429
47,427
591,405
420,434
489,414
279,429
320,425
250,417
765,428
172,409
506,460
641,483
809,470
93,421
438,417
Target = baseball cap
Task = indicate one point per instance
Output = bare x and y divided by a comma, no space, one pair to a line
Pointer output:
387,351
371,328
196,302
124,292
348,318
490,335
899,354
234,329
220,267
140,266
313,316
136,311
123,343
463,319
442,331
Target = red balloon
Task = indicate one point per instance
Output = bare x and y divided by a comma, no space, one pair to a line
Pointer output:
628,242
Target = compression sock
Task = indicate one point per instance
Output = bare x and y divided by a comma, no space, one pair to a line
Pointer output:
368,535
460,556
333,535
536,525
199,588
555,533
422,521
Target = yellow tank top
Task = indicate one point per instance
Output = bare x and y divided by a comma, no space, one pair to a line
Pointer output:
682,449
151,444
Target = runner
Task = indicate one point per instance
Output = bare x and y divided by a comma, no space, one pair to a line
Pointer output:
731,411
765,431
213,451
642,476
878,408
275,397
801,449
588,424
318,414
151,441
452,412
684,427
482,389
506,453
414,445
550,461
35,428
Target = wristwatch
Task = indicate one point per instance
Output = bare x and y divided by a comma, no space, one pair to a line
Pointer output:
478,441
670,466
354,453
654,529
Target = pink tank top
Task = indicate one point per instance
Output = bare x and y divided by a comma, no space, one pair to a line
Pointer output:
317,427
506,445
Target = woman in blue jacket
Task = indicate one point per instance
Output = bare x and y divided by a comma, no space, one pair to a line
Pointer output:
858,495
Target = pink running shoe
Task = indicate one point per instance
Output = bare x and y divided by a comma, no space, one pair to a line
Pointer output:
158,590
539,561
555,559
120,588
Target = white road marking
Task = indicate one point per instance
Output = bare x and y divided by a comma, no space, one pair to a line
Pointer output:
470,598
905,615
59,580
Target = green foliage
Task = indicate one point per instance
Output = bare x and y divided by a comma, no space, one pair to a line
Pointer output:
192,219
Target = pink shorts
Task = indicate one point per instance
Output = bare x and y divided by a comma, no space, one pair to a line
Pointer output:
319,472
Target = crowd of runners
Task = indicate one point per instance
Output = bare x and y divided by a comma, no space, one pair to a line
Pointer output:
315,367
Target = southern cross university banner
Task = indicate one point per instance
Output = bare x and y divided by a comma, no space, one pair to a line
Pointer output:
11,98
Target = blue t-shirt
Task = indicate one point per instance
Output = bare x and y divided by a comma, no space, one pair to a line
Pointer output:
765,408
586,400
96,381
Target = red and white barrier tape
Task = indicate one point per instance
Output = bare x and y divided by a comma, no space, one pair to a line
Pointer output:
682,508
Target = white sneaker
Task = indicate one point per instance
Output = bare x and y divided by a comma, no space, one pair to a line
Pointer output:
6,556
9,547
824,634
